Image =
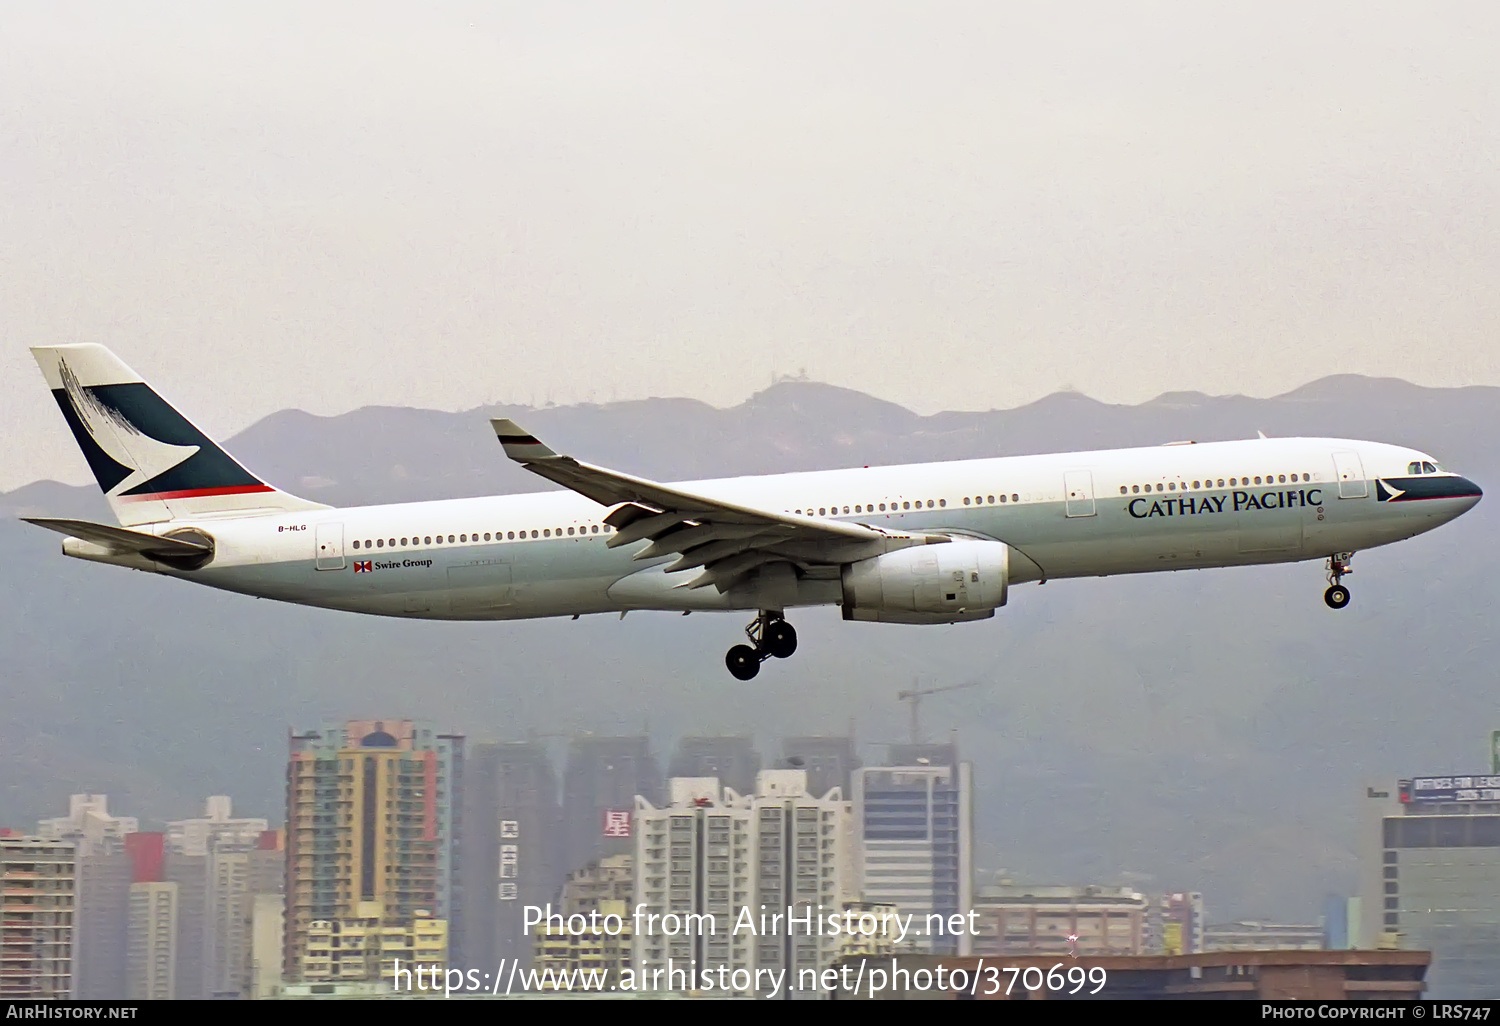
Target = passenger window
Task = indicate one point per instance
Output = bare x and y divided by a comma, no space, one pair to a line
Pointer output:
380,543
1160,487
846,509
1135,488
1171,486
906,505
966,498
393,543
882,507
595,529
1002,498
427,540
943,502
822,512
403,541
929,503
1195,484
570,530
534,534
546,532
1014,497
1281,478
356,543
450,539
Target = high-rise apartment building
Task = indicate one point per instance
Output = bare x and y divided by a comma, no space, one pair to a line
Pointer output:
600,784
151,955
915,827
732,759
370,946
37,897
512,847
373,816
216,828
714,852
88,824
1430,877
237,877
267,936
104,879
601,892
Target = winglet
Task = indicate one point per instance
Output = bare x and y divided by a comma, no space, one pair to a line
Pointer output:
520,446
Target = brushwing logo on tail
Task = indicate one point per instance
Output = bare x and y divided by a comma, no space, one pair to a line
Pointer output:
120,440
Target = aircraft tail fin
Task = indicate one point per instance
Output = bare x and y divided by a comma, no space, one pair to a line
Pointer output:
150,461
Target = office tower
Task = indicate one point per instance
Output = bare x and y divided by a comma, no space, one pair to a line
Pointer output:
712,852
1014,919
237,877
732,760
828,761
512,848
37,892
914,824
88,824
152,947
216,828
603,776
1430,877
373,816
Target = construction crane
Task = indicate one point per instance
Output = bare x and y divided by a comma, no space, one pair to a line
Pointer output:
914,696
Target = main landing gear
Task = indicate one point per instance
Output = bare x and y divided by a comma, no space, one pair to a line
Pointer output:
769,635
1337,596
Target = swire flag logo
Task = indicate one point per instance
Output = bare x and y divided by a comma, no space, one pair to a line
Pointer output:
363,567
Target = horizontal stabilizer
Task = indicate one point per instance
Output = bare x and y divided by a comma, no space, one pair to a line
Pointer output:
125,540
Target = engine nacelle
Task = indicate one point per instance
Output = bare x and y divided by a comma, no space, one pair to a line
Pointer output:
945,583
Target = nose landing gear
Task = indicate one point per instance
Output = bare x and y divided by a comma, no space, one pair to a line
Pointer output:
1337,596
770,636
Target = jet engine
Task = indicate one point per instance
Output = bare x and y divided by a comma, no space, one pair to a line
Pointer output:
945,583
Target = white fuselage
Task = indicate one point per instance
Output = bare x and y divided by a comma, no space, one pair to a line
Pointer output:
1069,515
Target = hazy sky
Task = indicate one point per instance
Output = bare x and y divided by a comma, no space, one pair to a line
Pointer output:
324,206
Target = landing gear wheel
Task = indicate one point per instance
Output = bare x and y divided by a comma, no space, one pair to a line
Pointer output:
743,662
1337,596
780,639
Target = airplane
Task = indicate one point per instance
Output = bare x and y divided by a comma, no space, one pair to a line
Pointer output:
933,543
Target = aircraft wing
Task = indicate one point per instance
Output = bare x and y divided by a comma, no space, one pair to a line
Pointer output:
727,540
122,539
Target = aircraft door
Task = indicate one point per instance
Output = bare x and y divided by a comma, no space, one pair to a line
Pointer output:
1079,487
1351,474
330,546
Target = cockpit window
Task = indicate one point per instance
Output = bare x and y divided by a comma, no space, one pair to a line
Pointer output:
1428,468
1414,468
